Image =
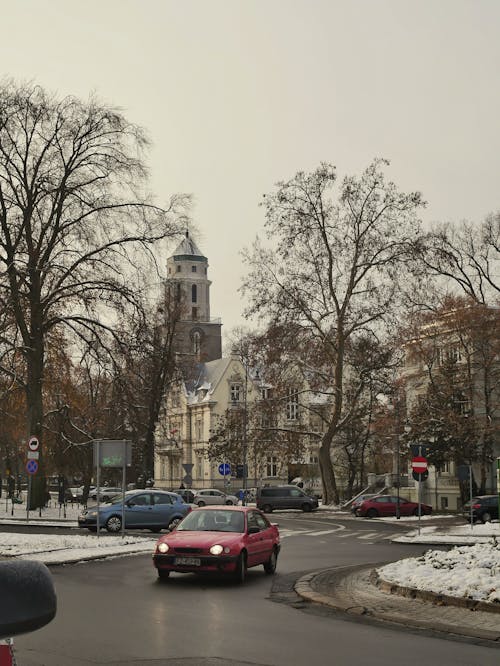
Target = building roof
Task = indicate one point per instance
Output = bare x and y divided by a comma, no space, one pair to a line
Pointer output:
187,248
209,375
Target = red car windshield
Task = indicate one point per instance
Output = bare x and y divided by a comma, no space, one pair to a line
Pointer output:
211,520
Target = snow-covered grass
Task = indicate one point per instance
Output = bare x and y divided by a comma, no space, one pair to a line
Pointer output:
71,548
471,572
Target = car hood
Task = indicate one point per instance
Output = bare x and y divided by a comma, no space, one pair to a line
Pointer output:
200,539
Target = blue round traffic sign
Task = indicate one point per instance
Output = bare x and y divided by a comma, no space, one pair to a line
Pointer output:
225,469
32,466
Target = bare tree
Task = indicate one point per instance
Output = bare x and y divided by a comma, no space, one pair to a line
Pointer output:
74,216
334,269
466,256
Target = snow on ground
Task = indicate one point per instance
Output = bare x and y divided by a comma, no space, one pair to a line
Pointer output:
472,572
465,571
70,548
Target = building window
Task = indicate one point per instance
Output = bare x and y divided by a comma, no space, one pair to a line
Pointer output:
235,392
196,343
272,466
444,468
292,405
199,467
194,293
179,268
444,502
178,292
193,269
265,392
194,314
463,406
199,430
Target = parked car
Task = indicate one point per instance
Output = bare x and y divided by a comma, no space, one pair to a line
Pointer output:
106,493
355,504
186,494
73,494
385,505
213,496
144,509
484,508
219,540
285,497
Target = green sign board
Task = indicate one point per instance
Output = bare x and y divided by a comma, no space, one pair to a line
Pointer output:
112,453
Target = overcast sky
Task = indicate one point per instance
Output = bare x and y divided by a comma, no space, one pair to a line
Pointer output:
236,95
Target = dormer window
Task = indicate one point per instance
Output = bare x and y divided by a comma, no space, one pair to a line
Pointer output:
235,392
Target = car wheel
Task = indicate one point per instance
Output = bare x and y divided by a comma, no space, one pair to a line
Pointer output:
267,508
201,503
163,574
114,524
415,512
173,523
270,565
306,508
229,502
372,513
241,568
486,517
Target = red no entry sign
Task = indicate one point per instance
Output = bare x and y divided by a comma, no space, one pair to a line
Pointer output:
419,464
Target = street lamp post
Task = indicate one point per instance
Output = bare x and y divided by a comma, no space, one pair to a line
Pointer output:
398,473
245,443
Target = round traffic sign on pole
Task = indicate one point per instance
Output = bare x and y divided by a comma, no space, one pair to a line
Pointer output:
32,466
419,464
33,444
225,469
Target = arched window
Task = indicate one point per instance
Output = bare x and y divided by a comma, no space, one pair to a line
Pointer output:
194,293
196,343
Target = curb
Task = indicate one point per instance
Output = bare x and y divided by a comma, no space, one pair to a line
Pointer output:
303,587
433,597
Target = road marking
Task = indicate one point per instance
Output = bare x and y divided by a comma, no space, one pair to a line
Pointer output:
321,533
370,535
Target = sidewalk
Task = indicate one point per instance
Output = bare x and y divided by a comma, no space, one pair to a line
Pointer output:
352,590
361,591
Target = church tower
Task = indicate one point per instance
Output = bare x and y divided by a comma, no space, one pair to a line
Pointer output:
187,284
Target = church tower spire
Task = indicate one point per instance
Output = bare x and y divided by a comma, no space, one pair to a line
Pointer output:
187,282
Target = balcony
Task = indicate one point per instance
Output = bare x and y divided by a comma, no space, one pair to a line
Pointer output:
169,447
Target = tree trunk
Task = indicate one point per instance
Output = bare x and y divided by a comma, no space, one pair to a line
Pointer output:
330,492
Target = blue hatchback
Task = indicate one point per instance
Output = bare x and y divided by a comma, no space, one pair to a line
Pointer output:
144,509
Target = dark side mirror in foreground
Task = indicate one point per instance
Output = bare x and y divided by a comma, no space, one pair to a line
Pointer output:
27,597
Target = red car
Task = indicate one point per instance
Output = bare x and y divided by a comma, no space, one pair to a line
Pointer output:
228,539
385,505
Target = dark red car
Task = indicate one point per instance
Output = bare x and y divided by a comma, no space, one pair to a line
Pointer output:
224,539
385,505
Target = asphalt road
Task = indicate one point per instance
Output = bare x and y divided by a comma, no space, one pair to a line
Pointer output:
116,612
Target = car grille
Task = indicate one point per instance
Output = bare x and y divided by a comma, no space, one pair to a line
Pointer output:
188,550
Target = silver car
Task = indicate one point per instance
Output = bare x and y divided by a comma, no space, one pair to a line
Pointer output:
213,496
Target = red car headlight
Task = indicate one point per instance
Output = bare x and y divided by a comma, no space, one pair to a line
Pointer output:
162,547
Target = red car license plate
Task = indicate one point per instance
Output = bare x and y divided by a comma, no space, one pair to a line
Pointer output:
188,561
